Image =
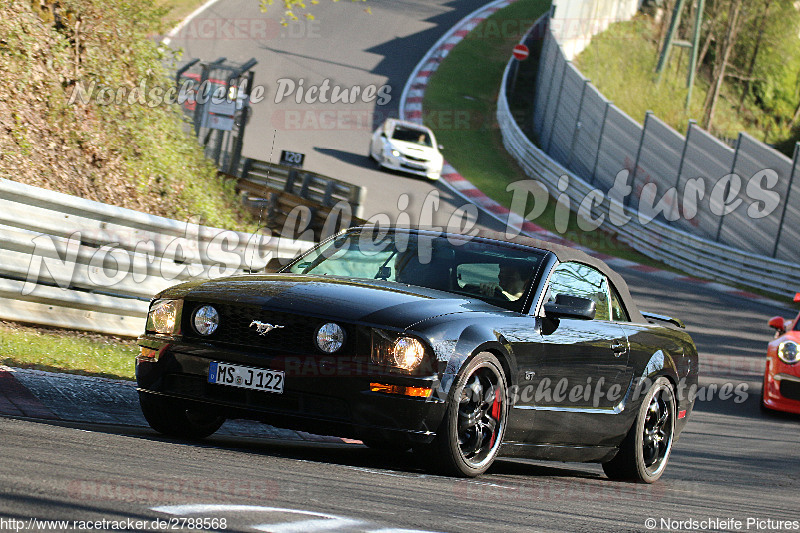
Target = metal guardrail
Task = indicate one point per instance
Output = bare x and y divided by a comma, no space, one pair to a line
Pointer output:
279,193
75,263
690,253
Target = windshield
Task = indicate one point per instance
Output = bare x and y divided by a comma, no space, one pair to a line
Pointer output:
412,135
494,273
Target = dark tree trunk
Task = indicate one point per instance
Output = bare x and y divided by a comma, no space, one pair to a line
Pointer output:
762,27
722,64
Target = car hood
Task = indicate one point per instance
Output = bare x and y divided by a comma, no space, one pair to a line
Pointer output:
370,302
416,150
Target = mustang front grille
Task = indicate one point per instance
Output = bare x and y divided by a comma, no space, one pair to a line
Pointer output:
277,332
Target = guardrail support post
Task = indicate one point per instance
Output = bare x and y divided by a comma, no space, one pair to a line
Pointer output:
600,142
692,124
733,171
586,83
558,103
647,116
795,163
548,40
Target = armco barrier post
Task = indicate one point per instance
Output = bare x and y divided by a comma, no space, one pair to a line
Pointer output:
795,163
600,143
543,60
638,155
728,185
692,124
586,83
558,104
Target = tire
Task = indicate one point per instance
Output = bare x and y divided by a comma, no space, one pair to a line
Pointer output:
178,419
471,433
644,453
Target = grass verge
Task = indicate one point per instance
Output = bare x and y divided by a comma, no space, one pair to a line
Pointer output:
72,352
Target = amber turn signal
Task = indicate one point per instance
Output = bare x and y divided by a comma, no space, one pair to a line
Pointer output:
419,392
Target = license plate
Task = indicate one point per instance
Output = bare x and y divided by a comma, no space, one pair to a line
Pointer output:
245,377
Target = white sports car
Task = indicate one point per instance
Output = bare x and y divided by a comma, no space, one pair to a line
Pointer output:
407,147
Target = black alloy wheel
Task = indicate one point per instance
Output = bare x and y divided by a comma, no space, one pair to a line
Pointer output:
644,453
472,431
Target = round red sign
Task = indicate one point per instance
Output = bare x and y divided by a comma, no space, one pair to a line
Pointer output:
521,52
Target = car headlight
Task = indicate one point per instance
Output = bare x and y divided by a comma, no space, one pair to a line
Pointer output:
401,352
788,352
408,353
330,337
164,317
395,153
206,320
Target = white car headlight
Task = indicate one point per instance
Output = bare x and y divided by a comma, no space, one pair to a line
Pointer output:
408,353
396,153
788,352
164,317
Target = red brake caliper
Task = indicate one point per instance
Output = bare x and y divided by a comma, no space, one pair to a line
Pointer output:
495,415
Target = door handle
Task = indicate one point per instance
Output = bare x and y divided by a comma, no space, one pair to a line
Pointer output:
618,348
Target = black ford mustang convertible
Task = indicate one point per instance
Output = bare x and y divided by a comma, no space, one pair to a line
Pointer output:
458,348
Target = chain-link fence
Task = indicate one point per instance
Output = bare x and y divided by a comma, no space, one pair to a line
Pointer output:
746,197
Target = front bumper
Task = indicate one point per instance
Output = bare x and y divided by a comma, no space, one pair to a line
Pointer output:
782,387
418,168
320,395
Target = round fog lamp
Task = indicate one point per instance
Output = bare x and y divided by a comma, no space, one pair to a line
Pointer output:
330,337
206,320
408,353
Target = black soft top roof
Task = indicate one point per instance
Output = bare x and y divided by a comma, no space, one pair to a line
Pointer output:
563,254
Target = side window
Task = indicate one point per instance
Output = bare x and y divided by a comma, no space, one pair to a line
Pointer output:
618,312
576,279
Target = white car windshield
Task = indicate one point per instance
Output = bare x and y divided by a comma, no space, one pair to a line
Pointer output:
412,135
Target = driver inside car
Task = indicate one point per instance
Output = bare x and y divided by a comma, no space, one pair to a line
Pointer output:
511,281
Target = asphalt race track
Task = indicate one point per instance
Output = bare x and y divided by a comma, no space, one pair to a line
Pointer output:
731,463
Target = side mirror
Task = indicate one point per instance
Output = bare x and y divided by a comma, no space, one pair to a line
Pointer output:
441,147
571,307
778,324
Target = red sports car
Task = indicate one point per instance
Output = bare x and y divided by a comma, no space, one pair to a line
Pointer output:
781,390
